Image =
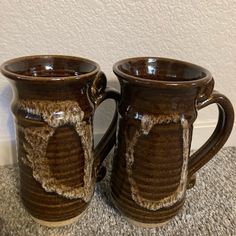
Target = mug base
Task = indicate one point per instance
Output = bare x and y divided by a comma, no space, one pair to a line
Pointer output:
62,223
138,223
146,225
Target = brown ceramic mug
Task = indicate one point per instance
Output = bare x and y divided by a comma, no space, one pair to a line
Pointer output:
152,166
54,103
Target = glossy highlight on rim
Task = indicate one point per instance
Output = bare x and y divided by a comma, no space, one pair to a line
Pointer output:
18,76
161,83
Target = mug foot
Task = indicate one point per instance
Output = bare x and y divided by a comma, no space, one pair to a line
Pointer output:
138,223
146,225
58,223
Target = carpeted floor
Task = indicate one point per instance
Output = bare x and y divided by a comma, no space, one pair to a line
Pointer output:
210,208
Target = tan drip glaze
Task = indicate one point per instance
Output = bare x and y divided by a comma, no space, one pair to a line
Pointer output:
147,123
56,114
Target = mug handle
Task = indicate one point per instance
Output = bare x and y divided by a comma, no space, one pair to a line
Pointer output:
219,136
100,93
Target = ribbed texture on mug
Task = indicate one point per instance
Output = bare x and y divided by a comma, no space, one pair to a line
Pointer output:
156,171
66,162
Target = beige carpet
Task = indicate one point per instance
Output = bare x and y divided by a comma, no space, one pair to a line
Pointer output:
210,208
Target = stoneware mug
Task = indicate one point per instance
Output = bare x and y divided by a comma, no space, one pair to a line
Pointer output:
152,166
55,98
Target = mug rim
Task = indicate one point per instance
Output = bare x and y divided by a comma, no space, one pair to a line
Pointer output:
18,76
168,83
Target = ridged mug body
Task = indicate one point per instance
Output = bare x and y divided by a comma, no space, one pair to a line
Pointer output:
157,110
149,175
55,98
55,142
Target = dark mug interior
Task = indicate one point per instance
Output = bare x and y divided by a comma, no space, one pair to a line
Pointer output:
160,69
49,66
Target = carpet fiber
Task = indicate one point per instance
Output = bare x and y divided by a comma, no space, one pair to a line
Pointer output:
210,207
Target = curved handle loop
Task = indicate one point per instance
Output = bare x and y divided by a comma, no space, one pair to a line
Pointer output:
101,93
218,137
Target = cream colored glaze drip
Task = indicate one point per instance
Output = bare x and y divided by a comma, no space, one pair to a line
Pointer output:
147,123
56,114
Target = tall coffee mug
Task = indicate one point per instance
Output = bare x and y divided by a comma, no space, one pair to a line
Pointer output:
152,167
55,98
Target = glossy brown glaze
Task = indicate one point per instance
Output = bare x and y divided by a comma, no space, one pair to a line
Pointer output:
55,100
152,167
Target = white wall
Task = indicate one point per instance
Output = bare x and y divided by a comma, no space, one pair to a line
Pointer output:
202,32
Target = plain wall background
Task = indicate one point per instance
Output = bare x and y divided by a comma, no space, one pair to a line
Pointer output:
201,32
